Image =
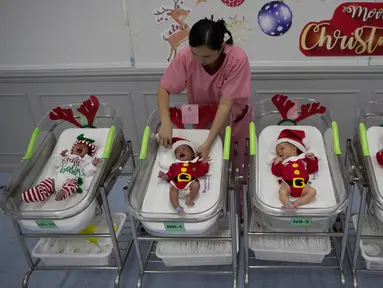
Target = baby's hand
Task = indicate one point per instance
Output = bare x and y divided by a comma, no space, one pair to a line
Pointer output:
96,161
162,175
278,159
63,153
206,160
310,155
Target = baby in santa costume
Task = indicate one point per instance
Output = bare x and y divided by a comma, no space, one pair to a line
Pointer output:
293,165
183,174
70,168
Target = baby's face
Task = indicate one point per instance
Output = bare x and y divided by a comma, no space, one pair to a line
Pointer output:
80,150
184,153
286,150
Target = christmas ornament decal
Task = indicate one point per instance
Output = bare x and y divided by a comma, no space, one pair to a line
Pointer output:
239,29
275,18
233,3
178,33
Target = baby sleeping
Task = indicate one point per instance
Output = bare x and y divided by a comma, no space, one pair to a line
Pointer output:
293,165
183,174
69,168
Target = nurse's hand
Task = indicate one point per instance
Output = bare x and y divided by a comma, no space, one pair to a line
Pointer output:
204,150
165,134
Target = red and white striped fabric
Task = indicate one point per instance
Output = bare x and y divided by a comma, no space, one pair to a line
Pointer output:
91,146
45,189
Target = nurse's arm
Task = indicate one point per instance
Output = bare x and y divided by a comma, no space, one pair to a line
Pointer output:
163,101
220,119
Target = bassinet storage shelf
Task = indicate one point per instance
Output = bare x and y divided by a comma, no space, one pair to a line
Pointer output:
53,220
372,250
102,258
304,249
198,253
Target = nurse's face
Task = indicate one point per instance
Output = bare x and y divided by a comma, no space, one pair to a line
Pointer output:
204,55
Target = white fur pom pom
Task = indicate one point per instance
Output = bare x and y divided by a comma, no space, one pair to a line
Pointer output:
305,142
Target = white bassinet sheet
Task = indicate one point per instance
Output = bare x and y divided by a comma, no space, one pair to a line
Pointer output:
375,143
157,194
80,221
267,183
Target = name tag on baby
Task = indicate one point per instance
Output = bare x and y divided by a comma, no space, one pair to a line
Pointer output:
190,114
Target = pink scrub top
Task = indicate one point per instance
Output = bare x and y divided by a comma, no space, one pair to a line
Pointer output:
231,81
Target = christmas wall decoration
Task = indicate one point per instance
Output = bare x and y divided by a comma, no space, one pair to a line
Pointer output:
200,1
178,32
239,28
275,18
233,3
356,29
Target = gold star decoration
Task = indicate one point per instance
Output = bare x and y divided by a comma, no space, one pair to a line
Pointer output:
239,28
200,1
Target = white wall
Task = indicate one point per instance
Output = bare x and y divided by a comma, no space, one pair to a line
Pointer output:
93,33
52,33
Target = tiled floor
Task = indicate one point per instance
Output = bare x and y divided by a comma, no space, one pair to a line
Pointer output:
13,267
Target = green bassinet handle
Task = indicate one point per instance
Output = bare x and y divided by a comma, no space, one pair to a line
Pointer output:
32,143
226,144
363,139
252,139
335,138
109,142
145,143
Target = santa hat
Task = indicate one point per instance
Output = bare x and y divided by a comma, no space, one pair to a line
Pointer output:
88,142
294,137
177,142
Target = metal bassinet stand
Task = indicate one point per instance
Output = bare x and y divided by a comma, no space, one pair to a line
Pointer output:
360,166
226,207
116,154
265,115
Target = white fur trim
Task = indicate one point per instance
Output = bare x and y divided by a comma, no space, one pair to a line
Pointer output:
305,141
294,158
295,143
183,142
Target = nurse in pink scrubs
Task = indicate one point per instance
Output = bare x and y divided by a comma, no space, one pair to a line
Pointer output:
214,71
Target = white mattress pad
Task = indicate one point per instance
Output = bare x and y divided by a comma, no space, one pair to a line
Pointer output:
267,183
157,194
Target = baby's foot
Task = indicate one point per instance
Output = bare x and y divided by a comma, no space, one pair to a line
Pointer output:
60,195
189,202
180,211
289,205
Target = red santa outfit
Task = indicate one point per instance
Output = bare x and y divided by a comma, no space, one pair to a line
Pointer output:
182,174
295,171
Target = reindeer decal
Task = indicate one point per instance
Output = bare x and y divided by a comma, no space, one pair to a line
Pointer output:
283,105
178,33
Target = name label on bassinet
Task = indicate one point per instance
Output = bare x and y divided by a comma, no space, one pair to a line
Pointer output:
46,224
300,221
174,226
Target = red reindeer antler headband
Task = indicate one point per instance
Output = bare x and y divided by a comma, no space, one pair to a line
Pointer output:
88,108
283,105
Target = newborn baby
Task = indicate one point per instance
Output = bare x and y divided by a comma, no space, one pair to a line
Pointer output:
183,174
70,168
294,166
